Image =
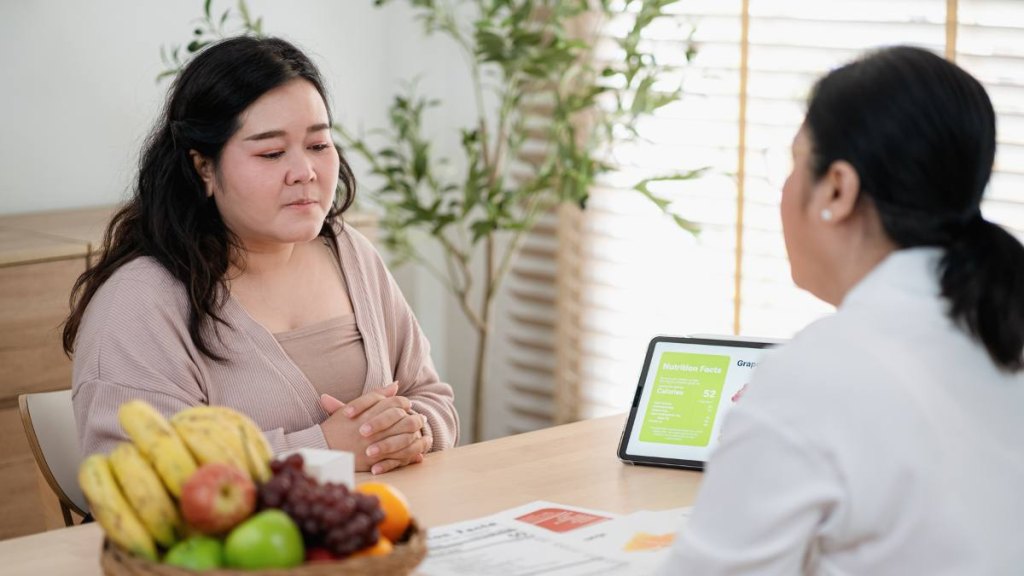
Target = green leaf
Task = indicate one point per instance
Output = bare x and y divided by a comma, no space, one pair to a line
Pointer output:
481,228
244,10
689,226
419,161
490,46
165,74
663,204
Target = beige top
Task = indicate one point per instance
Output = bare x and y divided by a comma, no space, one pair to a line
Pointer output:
330,354
134,343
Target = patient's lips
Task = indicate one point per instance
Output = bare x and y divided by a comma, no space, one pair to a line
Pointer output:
302,203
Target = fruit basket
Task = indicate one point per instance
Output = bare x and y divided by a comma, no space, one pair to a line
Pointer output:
407,554
203,492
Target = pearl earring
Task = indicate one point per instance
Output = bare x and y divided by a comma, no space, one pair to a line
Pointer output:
826,215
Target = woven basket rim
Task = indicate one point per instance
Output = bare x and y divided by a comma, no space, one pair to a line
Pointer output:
407,554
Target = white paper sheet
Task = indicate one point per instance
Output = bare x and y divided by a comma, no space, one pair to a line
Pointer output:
641,539
548,539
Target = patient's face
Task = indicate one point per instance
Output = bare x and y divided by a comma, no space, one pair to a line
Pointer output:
278,173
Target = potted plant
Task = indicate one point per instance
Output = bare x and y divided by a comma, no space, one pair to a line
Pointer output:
525,57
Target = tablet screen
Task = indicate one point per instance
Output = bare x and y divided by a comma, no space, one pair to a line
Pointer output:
686,387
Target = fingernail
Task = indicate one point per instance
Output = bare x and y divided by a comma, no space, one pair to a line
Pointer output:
350,411
365,429
375,470
372,451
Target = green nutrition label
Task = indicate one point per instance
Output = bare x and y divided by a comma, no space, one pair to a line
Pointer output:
684,399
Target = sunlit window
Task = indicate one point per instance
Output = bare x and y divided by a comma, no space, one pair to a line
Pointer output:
641,276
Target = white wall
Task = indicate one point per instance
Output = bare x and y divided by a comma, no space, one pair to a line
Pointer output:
78,96
78,92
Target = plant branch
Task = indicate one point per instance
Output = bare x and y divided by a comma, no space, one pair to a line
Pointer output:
451,27
456,259
515,242
441,277
540,50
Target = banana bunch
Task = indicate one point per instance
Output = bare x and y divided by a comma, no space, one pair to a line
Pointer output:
111,510
158,442
219,434
145,492
132,492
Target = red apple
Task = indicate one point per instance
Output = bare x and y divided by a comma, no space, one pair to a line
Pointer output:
217,497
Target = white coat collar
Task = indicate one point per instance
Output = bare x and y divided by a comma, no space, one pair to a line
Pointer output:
911,270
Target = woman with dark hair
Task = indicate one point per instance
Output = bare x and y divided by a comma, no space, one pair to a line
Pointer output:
229,278
885,439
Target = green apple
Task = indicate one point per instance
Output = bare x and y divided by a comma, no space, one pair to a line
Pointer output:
269,539
196,553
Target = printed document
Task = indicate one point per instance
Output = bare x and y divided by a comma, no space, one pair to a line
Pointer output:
548,539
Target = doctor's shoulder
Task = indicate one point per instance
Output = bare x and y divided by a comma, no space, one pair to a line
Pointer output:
828,364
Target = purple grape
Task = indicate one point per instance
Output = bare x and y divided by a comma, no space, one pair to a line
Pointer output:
361,523
367,503
346,506
329,515
270,498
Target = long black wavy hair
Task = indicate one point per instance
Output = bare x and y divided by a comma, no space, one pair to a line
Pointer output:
169,216
921,133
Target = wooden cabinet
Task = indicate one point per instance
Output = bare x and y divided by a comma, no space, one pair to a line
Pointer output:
41,256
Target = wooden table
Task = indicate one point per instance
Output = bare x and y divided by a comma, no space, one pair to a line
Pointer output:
571,464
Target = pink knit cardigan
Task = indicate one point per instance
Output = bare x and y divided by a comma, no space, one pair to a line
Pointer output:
134,343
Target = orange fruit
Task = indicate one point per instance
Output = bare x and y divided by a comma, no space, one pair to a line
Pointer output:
395,506
383,547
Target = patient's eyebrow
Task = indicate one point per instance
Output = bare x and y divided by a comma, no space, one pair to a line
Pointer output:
280,133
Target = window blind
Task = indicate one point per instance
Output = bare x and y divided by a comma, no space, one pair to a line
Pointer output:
526,355
745,96
791,44
598,284
639,274
990,45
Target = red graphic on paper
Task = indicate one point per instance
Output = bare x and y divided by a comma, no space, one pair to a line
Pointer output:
739,394
560,520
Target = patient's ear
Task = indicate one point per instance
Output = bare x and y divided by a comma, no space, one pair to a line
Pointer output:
204,167
839,191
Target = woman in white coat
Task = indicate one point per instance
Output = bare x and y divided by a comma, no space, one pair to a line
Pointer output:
889,437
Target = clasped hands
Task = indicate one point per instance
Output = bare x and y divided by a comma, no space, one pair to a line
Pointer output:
379,428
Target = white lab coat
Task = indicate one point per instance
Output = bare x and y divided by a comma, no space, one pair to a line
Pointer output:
881,440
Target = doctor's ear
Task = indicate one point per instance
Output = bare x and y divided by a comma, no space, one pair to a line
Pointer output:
840,188
204,167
